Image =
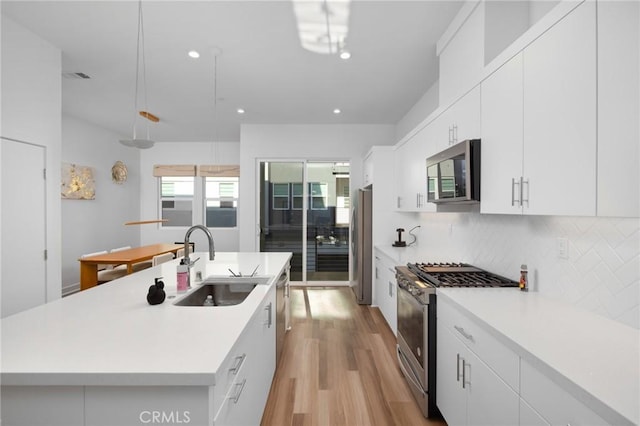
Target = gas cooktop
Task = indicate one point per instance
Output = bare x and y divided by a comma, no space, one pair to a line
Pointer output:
458,275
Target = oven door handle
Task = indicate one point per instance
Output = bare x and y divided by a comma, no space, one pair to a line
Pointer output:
415,303
408,374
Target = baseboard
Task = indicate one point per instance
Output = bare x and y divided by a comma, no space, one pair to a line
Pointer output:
70,289
320,283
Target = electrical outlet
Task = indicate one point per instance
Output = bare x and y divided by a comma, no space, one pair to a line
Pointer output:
562,247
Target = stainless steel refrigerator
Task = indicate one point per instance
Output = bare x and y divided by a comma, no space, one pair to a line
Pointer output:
361,246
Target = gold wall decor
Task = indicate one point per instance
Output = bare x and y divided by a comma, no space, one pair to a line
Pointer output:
77,182
119,172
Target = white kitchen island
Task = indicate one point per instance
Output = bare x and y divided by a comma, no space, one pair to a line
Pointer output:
106,357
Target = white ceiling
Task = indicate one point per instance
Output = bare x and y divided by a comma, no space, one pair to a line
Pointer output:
262,68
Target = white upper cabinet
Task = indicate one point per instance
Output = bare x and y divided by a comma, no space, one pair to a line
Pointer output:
618,108
461,52
539,124
459,122
559,168
502,149
411,172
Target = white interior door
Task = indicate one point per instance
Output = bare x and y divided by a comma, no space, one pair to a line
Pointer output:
23,226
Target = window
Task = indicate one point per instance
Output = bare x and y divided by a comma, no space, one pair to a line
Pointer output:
280,196
318,195
211,199
297,196
176,200
221,202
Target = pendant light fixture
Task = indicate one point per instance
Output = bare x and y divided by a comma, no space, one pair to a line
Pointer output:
136,142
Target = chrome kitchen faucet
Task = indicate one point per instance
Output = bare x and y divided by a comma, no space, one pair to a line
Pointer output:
212,250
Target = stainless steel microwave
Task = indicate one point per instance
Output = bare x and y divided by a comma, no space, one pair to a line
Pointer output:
453,175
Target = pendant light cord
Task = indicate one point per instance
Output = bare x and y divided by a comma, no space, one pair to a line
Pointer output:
215,148
140,42
326,15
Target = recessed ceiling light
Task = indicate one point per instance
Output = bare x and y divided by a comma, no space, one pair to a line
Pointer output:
337,111
345,54
240,110
193,54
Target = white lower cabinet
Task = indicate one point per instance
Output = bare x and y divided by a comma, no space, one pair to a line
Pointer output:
480,381
252,369
468,391
529,416
56,405
385,289
553,403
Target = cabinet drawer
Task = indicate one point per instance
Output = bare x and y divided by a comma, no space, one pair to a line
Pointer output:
227,373
529,416
504,362
554,404
235,399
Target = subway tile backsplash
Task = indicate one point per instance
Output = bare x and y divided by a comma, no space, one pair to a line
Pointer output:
601,272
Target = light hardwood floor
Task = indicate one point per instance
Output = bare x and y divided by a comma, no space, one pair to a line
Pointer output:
339,366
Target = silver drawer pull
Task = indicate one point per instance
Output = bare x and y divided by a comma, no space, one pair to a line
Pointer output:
457,367
238,364
464,333
240,388
464,378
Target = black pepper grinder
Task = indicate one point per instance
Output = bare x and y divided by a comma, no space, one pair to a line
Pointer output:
156,293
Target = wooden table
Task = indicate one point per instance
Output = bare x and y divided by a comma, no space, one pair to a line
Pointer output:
89,265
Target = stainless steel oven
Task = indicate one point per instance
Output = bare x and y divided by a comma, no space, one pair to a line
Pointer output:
417,337
417,283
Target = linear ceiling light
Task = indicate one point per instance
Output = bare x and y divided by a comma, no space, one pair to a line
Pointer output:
323,25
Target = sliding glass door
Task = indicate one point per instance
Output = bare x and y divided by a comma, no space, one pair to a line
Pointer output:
304,209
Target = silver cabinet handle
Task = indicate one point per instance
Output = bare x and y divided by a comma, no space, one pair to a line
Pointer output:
464,333
522,183
377,273
236,367
391,285
268,308
240,388
464,379
457,367
515,200
455,133
399,203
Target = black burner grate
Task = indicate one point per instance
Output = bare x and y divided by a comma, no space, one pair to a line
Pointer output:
458,275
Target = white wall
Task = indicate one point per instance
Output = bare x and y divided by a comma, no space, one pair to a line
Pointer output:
94,225
318,142
601,273
31,112
184,153
425,106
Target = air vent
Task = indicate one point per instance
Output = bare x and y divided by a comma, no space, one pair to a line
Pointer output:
75,75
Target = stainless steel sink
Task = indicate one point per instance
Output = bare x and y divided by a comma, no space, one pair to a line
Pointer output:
224,291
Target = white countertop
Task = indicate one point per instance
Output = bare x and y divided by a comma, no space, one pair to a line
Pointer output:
594,357
400,255
110,335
